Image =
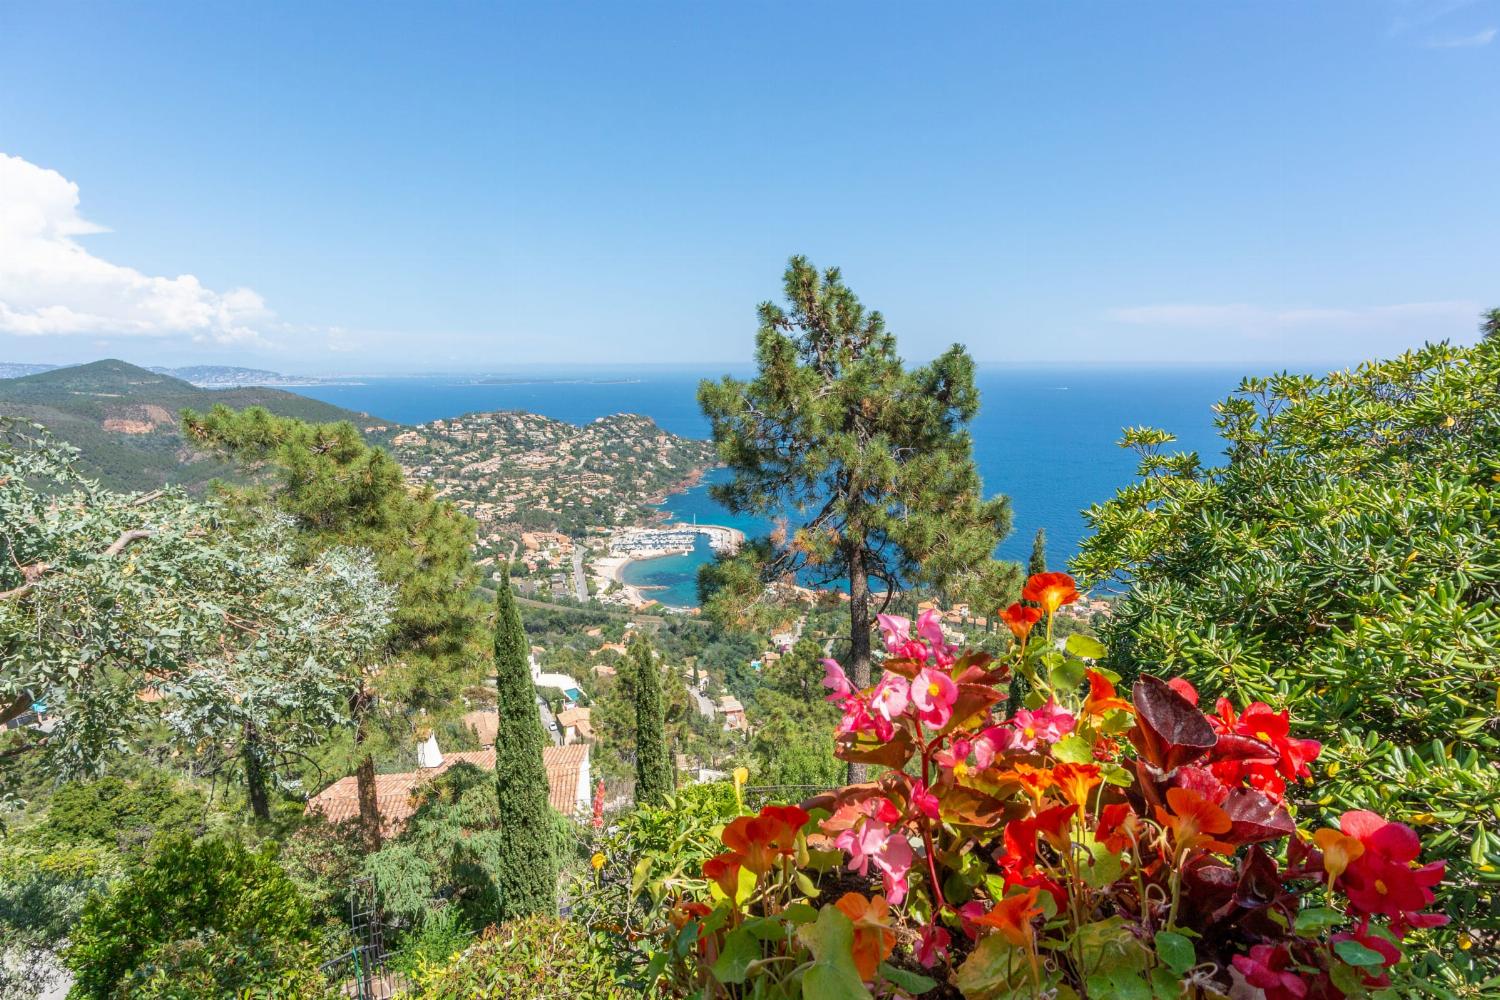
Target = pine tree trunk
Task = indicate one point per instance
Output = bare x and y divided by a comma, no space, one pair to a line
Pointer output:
255,775
859,635
364,776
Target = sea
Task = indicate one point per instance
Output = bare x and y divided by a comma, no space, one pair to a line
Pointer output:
1047,437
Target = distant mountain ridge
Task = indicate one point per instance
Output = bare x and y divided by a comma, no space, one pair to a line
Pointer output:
231,376
203,376
124,419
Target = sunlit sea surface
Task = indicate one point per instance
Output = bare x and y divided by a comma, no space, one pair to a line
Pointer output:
1047,437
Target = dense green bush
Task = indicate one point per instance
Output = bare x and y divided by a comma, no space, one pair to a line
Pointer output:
118,813
1342,563
235,904
540,958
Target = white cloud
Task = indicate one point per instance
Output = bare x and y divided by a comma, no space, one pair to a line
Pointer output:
1473,41
51,285
1261,322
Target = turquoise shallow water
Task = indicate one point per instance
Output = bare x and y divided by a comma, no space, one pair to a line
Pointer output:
1044,436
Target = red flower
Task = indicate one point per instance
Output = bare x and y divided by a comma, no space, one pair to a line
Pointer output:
1182,687
1382,879
1019,857
1266,968
1019,618
724,870
933,946
1260,723
1118,823
1050,590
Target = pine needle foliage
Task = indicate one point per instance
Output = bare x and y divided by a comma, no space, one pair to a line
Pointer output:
653,763
869,463
527,861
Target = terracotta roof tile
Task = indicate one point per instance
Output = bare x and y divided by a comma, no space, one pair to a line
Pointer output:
566,767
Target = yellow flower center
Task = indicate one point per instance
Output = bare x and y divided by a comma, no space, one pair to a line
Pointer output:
934,689
1380,887
1029,732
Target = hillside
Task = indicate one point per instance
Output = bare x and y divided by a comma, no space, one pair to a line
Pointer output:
124,419
521,472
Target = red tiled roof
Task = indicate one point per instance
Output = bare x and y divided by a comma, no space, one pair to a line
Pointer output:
393,792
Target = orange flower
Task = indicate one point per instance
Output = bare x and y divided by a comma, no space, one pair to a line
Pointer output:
1050,590
1019,618
760,840
1193,820
873,937
1011,917
1102,699
1339,850
1033,780
724,869
1075,781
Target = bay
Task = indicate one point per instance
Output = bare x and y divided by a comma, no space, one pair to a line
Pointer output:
1045,436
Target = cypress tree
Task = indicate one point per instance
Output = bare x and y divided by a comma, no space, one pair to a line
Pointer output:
1038,561
653,765
527,865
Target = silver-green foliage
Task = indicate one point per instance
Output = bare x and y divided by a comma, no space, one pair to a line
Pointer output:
107,596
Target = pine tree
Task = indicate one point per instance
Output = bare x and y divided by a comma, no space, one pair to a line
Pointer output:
871,462
527,864
341,491
1489,324
1038,561
653,763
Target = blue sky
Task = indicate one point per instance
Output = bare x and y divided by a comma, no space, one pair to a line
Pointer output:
341,187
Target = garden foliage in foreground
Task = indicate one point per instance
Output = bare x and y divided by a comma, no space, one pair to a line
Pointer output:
1091,842
1344,562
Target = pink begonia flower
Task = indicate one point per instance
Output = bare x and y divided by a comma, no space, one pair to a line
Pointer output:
895,630
933,692
1047,724
967,914
991,742
891,697
856,719
871,839
836,681
923,800
929,627
933,947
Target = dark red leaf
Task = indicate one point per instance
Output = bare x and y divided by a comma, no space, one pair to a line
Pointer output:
893,753
1169,730
1255,817
1234,747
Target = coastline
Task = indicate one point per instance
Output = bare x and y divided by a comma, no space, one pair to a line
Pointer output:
610,569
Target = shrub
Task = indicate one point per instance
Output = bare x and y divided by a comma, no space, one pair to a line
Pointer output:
449,851
1085,845
124,814
540,958
236,903
1342,564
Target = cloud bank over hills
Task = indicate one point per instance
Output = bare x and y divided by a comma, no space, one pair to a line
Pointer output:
52,285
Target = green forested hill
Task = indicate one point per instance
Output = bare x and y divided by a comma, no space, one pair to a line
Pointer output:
124,419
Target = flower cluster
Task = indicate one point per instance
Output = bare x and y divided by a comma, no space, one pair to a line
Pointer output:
1084,843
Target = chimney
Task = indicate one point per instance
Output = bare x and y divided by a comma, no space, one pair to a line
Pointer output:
428,754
